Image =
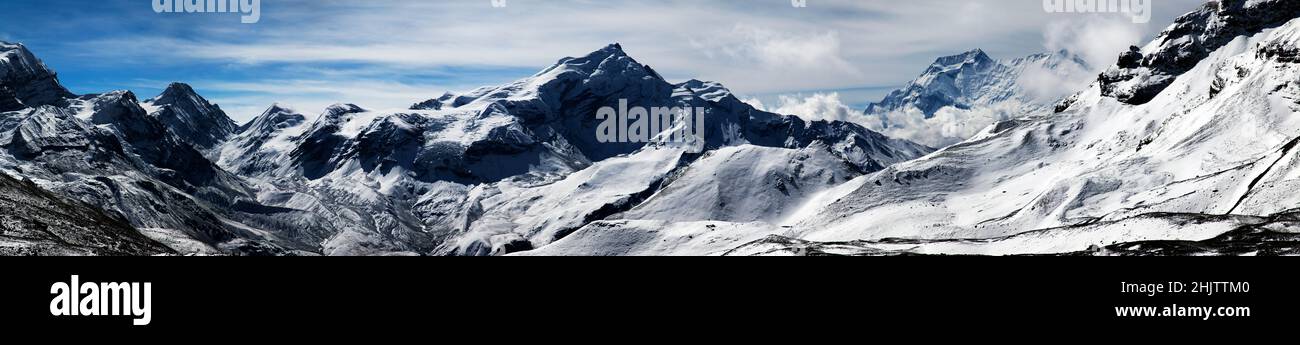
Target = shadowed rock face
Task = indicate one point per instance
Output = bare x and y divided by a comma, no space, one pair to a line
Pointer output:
9,100
1141,75
35,222
185,167
25,81
191,117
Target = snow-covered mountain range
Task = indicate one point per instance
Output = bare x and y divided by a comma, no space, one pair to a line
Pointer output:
1185,146
496,170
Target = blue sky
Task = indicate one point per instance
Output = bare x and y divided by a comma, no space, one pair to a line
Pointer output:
385,54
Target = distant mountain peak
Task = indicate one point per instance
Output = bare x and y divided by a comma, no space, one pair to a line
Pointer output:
971,79
278,107
277,116
192,117
436,103
177,89
972,56
612,58
343,108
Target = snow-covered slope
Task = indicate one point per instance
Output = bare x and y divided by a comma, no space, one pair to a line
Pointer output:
1218,139
775,180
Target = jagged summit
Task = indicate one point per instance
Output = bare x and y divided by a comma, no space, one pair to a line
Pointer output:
436,103
277,116
175,93
613,50
25,81
340,109
973,56
958,81
974,79
611,59
191,117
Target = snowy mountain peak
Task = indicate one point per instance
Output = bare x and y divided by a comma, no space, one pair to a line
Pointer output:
277,116
343,108
16,59
176,93
25,81
191,117
608,60
613,50
958,81
278,107
711,91
972,57
437,103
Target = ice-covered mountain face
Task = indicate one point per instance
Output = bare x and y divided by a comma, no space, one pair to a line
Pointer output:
191,117
951,81
36,222
515,167
973,79
1144,73
25,81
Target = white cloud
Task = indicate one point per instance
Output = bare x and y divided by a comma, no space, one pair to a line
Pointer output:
948,126
818,106
783,52
1097,39
1047,85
